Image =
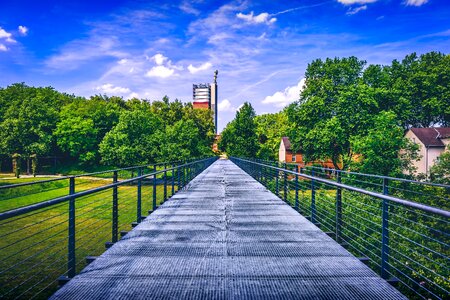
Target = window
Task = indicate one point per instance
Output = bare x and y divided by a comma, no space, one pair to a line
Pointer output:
294,157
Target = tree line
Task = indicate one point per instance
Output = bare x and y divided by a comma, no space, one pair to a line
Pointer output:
109,130
352,113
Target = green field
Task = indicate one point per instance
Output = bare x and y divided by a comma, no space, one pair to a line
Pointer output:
33,247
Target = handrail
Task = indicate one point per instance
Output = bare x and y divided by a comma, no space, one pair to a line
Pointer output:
83,175
383,177
26,209
408,203
371,175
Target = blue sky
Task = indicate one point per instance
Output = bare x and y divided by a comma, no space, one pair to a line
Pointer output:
150,49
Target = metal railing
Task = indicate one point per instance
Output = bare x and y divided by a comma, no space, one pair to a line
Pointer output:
25,193
45,244
405,242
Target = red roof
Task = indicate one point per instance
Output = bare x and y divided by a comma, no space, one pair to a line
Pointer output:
431,137
286,142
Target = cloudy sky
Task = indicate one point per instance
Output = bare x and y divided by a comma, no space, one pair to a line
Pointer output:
149,49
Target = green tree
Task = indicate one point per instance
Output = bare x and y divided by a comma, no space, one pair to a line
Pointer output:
203,121
384,150
134,140
28,127
83,124
270,128
416,89
182,141
77,136
334,105
239,137
440,171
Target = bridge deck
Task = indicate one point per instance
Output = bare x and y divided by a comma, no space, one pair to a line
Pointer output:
226,237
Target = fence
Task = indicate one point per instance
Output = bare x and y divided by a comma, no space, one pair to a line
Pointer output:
45,244
22,194
406,242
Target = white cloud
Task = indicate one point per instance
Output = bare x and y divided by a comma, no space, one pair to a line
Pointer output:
133,95
225,105
160,71
256,19
415,2
109,88
218,38
3,48
159,59
350,2
122,61
79,52
283,98
6,36
202,67
23,30
356,10
187,7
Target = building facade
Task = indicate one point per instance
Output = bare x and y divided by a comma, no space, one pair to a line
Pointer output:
205,97
432,143
286,155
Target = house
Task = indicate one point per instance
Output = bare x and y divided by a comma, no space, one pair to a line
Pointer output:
285,154
432,143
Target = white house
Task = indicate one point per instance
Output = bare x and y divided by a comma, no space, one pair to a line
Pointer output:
432,143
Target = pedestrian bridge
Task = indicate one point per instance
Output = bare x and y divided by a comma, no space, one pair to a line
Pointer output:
225,236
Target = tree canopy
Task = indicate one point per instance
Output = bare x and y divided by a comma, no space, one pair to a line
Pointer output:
103,129
355,114
239,136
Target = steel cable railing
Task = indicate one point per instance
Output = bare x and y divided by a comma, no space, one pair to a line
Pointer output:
406,242
22,194
47,243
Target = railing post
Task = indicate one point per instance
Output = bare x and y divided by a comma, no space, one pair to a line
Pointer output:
179,177
263,175
313,199
385,233
154,188
189,173
276,180
173,179
296,188
115,212
285,187
338,208
71,242
183,178
139,197
165,183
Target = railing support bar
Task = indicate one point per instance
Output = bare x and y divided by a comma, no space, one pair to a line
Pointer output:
338,209
139,198
115,211
154,189
385,233
71,242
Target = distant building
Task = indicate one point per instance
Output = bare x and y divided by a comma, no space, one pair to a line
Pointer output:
205,97
432,143
286,155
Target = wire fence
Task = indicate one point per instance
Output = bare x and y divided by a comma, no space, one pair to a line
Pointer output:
406,242
43,245
13,196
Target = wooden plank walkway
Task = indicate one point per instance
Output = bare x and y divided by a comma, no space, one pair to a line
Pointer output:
226,237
